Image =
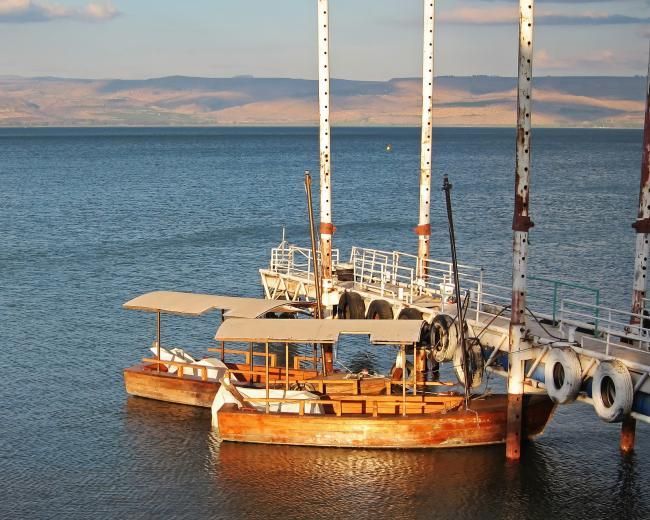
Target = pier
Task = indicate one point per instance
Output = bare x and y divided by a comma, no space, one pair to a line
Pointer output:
542,335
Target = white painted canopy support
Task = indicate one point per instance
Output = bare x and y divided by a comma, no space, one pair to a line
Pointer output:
326,229
521,224
424,221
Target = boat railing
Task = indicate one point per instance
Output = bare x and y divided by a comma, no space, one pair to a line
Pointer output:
273,358
181,366
399,270
369,405
384,273
625,329
291,259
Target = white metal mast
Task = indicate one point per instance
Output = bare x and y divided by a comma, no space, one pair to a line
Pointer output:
642,227
423,230
521,224
326,227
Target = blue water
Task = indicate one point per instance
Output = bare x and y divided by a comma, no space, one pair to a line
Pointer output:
90,218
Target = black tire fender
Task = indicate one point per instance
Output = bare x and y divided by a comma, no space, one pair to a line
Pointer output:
351,307
379,310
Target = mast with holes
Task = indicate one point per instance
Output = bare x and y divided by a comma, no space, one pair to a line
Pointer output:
326,227
423,230
521,224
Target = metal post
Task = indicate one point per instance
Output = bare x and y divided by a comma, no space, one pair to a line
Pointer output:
312,233
423,230
403,359
286,365
642,227
326,227
266,373
460,315
158,336
223,343
521,224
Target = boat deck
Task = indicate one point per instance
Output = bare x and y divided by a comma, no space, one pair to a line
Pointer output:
597,333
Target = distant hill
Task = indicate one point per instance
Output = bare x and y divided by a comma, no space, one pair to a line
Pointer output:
244,100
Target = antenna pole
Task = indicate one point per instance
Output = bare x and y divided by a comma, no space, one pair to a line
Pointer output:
642,227
521,224
460,318
423,230
326,227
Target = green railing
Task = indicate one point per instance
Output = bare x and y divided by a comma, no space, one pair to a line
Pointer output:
557,285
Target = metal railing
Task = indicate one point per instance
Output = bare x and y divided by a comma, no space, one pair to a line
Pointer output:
628,328
393,274
546,295
290,259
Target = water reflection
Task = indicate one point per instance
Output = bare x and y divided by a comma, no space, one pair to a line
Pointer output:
173,446
335,482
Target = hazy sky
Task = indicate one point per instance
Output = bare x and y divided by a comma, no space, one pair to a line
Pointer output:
371,39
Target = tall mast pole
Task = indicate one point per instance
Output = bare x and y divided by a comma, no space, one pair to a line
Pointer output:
326,227
521,224
642,227
423,230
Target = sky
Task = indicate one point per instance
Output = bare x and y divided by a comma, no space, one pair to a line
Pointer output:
370,39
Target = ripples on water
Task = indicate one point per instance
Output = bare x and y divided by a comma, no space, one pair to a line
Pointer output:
91,218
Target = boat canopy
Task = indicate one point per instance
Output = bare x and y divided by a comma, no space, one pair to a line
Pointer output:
193,304
392,332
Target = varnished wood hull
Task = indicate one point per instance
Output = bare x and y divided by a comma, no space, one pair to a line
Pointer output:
144,381
162,386
484,424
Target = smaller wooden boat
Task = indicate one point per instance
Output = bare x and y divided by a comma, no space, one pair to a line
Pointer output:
403,414
173,375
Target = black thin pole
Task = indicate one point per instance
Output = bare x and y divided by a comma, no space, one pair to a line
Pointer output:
460,319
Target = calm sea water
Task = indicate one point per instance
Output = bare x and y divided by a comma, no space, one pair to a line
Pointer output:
91,218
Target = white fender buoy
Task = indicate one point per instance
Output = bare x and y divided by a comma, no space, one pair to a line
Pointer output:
612,391
562,375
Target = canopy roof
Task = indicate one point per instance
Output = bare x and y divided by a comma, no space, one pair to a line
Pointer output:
193,304
319,331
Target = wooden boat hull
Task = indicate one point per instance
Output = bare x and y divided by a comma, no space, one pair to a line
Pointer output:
145,381
484,424
163,386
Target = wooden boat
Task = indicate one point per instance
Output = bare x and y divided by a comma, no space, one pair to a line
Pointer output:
176,377
409,417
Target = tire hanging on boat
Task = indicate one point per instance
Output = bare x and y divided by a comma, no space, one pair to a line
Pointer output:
443,337
379,310
562,375
351,307
612,391
475,366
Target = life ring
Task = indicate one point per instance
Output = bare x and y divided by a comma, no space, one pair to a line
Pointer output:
562,375
475,366
612,391
379,310
351,307
443,337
